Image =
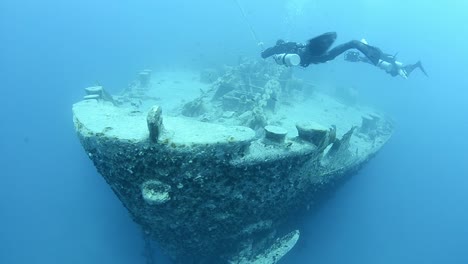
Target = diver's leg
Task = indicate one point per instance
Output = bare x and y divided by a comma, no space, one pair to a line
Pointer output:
372,53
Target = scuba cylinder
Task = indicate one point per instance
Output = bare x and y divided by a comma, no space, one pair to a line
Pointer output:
287,59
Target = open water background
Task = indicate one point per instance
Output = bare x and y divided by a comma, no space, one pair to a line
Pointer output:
409,205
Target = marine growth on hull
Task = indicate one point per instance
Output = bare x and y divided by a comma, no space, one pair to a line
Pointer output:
211,164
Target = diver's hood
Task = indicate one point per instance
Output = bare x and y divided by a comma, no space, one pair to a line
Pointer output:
321,44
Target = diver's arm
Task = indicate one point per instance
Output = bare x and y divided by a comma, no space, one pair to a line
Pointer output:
288,47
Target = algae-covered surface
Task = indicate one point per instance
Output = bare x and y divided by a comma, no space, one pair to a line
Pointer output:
211,164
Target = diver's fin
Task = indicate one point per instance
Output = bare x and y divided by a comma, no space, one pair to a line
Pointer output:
419,64
403,73
319,45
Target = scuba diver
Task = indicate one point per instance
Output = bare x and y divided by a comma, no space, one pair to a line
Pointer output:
387,63
317,50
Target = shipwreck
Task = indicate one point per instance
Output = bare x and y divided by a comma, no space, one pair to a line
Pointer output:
212,178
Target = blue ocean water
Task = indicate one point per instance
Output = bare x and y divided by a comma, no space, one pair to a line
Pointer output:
409,205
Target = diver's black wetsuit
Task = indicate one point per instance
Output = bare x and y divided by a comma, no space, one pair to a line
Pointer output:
317,49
